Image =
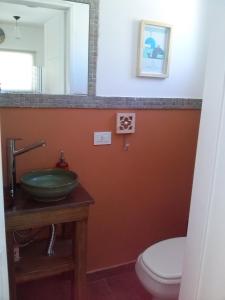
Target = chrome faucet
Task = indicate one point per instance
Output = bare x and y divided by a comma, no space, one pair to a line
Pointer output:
12,152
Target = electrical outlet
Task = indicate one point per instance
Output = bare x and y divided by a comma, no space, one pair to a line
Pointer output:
16,253
102,138
125,123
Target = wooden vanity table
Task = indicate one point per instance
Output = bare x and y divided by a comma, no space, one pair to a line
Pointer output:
69,255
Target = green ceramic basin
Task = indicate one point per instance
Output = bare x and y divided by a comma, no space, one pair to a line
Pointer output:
49,184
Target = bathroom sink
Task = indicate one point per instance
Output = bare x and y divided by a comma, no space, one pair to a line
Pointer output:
49,184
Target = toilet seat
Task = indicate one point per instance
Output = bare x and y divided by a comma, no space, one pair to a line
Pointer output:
163,261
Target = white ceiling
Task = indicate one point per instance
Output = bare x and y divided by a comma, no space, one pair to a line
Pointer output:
29,15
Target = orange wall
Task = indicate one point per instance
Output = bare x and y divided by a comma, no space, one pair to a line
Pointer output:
142,195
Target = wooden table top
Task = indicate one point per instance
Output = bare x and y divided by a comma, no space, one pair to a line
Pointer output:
23,203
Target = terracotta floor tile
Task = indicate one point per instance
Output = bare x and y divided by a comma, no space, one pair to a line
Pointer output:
122,286
127,286
99,290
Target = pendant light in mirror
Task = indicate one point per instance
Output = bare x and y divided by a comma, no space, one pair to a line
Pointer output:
17,28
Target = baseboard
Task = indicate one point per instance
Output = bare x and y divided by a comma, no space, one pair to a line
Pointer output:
110,271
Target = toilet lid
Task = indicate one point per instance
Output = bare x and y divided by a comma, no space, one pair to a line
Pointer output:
165,259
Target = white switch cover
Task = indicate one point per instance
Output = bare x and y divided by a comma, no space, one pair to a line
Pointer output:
103,138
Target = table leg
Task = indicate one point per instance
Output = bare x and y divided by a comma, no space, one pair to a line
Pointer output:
11,268
80,252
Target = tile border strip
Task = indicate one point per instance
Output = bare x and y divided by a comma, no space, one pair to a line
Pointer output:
96,102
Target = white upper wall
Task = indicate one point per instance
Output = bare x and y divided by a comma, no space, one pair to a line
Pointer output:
54,50
78,48
118,42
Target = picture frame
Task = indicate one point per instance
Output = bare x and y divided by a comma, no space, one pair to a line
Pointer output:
154,49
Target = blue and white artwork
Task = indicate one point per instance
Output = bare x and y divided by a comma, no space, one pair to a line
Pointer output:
154,49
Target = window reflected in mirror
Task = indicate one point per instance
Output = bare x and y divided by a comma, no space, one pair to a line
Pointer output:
17,72
45,47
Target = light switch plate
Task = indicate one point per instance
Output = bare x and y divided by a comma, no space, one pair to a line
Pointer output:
102,138
125,123
16,253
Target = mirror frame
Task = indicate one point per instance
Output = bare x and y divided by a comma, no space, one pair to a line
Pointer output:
92,48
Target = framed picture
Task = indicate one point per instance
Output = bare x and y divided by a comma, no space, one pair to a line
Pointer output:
153,52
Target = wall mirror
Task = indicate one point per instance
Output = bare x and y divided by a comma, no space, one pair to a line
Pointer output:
45,46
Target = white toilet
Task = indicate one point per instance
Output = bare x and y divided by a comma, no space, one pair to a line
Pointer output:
159,268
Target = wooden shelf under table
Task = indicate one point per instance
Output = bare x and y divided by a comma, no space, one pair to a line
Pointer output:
24,214
35,264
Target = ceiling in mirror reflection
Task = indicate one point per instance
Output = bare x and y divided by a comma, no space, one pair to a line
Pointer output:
56,36
30,15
